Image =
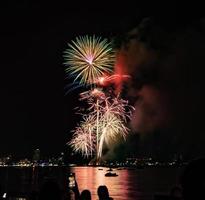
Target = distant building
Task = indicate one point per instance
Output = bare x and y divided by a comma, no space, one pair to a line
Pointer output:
36,155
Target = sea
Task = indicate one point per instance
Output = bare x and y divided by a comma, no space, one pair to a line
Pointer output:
129,184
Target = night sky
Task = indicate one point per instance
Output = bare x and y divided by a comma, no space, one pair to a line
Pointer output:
35,113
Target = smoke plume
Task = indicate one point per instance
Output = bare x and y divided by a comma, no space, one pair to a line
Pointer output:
167,84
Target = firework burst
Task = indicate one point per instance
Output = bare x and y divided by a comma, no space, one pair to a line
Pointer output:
83,140
118,107
89,58
104,122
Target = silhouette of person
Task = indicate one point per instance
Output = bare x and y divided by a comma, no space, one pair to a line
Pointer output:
85,195
103,193
193,180
50,190
76,191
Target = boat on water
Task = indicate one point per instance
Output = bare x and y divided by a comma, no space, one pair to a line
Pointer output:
111,174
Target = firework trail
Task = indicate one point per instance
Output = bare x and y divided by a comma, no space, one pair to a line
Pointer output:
83,140
89,58
111,127
119,107
92,95
115,78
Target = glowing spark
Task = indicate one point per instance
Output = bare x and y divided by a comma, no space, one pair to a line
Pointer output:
89,58
101,80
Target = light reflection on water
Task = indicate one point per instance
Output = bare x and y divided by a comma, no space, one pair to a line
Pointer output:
91,178
129,184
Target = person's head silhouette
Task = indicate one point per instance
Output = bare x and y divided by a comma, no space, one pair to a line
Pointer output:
103,193
193,180
85,195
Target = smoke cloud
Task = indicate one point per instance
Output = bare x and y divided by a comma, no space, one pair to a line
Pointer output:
167,84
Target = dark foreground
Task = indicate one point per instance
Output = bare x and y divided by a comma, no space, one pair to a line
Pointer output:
131,184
